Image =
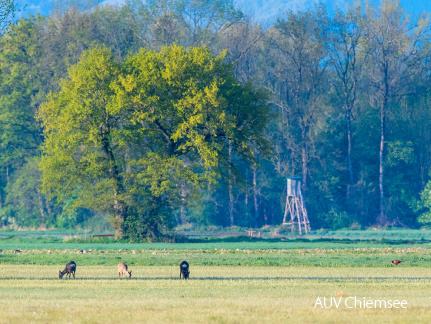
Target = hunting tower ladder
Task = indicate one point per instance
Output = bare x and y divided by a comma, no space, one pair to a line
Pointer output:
295,207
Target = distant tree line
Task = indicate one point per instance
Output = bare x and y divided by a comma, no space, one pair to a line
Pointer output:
164,113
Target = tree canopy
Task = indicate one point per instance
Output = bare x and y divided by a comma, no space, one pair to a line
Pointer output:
122,136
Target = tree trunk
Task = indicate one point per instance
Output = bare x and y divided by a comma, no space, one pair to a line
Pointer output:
127,167
246,192
231,211
256,206
349,148
48,207
382,218
119,214
120,210
183,203
177,220
42,213
304,157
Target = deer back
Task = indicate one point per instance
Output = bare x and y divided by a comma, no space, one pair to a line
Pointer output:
122,267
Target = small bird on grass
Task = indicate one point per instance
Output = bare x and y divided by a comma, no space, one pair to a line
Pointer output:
397,262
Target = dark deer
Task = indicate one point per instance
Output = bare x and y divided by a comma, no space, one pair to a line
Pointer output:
70,269
184,270
122,269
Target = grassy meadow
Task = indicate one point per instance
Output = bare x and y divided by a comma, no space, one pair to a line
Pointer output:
213,295
230,282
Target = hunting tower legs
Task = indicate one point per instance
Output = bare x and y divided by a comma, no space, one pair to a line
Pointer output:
295,207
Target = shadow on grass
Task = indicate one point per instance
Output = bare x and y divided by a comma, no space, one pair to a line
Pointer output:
223,278
239,239
226,239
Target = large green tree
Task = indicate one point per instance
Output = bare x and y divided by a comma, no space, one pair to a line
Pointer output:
121,137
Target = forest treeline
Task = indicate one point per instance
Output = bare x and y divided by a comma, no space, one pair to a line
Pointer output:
343,100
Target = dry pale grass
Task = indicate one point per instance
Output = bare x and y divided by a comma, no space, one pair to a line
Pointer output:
35,295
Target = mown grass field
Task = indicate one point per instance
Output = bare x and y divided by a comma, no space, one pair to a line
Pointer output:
231,282
213,295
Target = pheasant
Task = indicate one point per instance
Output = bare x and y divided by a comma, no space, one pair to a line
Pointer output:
397,262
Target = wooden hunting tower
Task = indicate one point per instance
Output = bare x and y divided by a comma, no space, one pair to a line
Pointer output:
295,207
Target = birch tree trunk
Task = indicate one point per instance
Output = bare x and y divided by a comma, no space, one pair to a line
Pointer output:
382,219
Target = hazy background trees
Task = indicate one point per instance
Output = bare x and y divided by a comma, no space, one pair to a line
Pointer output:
348,90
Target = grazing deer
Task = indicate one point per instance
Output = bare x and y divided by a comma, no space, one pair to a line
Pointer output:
184,270
70,269
122,269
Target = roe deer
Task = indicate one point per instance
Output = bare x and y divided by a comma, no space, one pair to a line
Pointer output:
184,270
122,269
70,269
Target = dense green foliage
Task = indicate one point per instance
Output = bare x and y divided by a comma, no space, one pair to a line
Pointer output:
349,93
130,139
